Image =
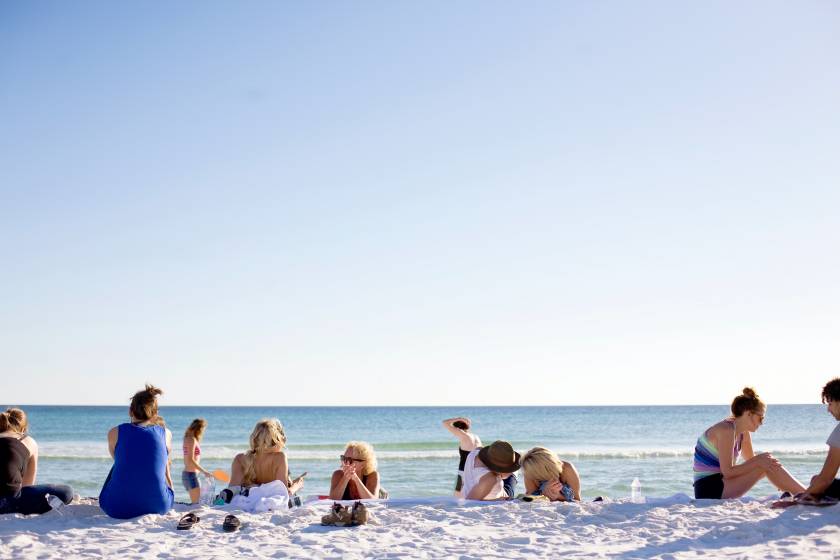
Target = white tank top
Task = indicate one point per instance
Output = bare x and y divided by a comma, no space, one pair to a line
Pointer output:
473,474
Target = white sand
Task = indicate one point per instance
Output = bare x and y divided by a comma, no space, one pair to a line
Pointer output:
668,528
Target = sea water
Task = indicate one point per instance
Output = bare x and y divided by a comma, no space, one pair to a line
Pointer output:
610,446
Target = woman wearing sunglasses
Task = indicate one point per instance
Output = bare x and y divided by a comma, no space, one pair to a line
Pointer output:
716,472
357,478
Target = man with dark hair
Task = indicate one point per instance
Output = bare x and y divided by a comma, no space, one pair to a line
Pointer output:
825,483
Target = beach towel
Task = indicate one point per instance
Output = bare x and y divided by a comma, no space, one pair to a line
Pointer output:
271,496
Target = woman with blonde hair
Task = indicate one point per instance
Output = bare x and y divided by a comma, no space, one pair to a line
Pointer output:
19,466
357,478
192,458
716,472
546,475
265,461
139,481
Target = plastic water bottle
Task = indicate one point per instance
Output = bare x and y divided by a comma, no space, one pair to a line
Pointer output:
208,491
55,503
636,492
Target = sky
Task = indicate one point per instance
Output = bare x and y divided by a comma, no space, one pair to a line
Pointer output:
419,203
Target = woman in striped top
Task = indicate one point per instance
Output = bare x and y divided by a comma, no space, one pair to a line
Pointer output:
717,475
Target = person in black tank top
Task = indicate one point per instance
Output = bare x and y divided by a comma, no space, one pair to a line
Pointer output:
357,479
348,495
18,464
14,456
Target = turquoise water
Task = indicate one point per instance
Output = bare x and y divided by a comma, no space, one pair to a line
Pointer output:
418,457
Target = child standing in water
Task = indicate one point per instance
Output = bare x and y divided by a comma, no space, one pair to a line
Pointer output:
192,457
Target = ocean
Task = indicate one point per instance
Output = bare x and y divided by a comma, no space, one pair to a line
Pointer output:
609,445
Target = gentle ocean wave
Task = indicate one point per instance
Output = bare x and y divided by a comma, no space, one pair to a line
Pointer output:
96,453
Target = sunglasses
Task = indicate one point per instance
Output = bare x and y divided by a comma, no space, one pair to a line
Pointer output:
346,459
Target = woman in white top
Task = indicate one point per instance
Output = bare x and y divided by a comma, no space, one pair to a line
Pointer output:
467,442
487,468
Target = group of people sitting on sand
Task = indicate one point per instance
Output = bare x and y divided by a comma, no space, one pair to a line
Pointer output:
140,481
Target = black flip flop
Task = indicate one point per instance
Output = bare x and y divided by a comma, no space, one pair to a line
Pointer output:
231,524
187,521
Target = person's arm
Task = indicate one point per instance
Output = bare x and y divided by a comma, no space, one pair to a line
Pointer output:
746,447
371,489
190,443
485,484
112,440
724,440
282,473
236,471
821,482
531,485
338,484
465,439
32,465
168,457
572,478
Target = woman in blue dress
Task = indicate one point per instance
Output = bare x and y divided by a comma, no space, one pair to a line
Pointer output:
139,482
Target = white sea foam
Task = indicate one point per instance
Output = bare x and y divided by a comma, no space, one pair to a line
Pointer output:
88,450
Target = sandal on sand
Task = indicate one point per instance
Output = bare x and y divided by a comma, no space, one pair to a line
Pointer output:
231,523
359,516
532,498
338,515
187,521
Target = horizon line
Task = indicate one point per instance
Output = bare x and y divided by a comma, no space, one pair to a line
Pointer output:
411,405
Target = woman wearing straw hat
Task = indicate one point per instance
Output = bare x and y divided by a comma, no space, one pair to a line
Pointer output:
486,470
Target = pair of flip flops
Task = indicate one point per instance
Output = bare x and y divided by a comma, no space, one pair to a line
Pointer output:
230,524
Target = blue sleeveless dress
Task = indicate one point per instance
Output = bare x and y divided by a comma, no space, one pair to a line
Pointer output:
136,484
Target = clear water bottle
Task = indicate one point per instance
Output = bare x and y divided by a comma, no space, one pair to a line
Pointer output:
55,503
636,492
208,490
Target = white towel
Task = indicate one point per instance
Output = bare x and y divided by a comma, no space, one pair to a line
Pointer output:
271,496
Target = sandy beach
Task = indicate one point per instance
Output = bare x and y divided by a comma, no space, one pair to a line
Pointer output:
674,527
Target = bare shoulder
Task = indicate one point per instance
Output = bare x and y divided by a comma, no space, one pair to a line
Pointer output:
30,444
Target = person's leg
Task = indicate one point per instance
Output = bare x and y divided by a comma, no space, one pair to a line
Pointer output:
510,486
33,499
833,491
740,485
191,485
783,480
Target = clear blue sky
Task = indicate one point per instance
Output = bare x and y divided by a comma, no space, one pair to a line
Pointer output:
419,203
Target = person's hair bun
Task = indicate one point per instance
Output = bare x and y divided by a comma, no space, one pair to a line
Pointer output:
154,391
144,403
747,401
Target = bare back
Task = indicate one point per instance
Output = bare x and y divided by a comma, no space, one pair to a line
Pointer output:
268,467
